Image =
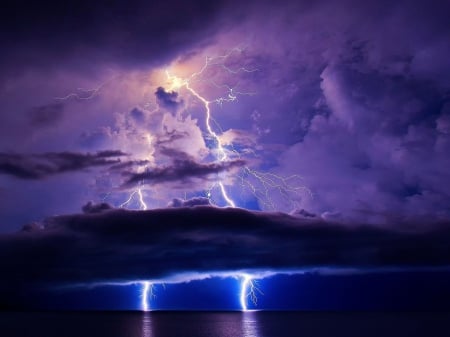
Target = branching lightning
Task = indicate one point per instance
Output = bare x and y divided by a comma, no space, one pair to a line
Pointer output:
83,94
265,182
177,83
260,184
249,290
268,182
147,293
142,204
225,195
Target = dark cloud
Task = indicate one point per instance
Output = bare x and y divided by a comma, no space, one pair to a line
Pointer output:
105,30
46,114
128,164
169,137
91,207
168,99
197,201
173,153
138,115
303,213
352,96
362,116
39,166
182,170
112,245
95,138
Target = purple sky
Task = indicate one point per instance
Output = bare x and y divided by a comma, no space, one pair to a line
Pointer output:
335,112
352,97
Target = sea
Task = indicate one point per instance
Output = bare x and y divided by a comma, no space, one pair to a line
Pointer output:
223,324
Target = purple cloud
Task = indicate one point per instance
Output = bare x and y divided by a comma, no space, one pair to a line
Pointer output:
351,96
39,166
183,171
116,245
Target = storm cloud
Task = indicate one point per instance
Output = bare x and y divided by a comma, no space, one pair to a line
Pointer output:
106,31
183,171
168,99
197,201
40,166
351,96
46,115
116,245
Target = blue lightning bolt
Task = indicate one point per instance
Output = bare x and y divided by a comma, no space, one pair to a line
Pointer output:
250,290
260,184
146,294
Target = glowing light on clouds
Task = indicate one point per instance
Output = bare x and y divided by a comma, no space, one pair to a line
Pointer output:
259,184
265,181
209,80
249,292
176,83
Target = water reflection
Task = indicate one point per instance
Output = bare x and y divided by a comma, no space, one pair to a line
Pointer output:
249,324
146,325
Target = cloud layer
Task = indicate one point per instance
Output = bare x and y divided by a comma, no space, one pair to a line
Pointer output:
39,166
116,245
182,171
351,96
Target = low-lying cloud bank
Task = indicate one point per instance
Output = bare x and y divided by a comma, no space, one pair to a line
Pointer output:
108,245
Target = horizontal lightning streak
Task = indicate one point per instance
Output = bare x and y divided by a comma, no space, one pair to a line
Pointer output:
83,94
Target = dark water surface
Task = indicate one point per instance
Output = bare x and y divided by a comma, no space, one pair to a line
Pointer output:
222,324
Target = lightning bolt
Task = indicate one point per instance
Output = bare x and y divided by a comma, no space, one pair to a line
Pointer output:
249,289
138,191
264,183
225,195
141,199
146,294
83,94
177,83
261,185
221,152
142,203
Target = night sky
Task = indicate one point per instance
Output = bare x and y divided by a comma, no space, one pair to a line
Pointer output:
299,148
